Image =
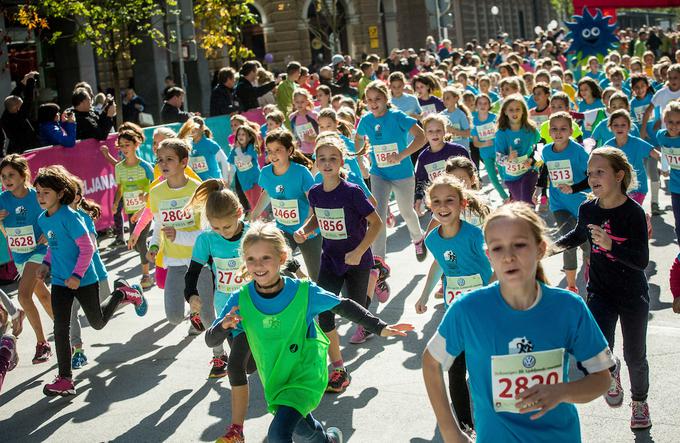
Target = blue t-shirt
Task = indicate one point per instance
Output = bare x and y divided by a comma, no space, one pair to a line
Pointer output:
460,256
320,301
226,262
459,120
601,134
637,111
636,150
485,130
670,147
596,104
387,134
407,103
203,159
529,99
99,268
288,194
62,229
598,76
247,167
23,216
566,167
481,324
523,142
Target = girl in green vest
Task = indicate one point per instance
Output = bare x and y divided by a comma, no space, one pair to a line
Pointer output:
277,315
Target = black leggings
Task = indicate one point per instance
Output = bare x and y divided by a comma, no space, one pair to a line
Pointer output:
458,390
474,155
356,280
97,315
240,360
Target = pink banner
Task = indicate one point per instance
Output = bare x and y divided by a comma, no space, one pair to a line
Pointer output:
255,115
86,161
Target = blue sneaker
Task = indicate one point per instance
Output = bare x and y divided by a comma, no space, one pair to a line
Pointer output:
78,360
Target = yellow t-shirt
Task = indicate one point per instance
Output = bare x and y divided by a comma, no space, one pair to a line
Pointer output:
168,204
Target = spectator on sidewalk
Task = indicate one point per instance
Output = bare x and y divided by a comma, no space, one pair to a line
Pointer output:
55,128
89,124
132,106
245,92
15,120
222,96
172,112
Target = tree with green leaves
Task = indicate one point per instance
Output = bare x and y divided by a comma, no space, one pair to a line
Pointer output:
112,27
220,23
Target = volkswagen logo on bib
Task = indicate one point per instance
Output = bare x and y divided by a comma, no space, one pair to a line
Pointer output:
173,203
461,282
231,263
18,231
327,213
529,361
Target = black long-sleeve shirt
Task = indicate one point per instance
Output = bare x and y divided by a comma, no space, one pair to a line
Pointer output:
20,132
247,94
92,125
620,272
347,308
222,101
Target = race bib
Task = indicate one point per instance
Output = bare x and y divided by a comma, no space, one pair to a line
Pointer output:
428,109
639,112
173,214
512,374
133,201
21,239
560,172
456,126
673,156
589,118
228,274
243,164
286,212
486,132
199,165
304,129
332,223
382,153
539,119
516,167
435,169
458,285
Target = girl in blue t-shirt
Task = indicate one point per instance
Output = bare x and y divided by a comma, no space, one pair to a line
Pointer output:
391,169
590,95
565,162
243,157
19,211
206,158
516,140
69,261
669,143
459,262
506,328
459,116
349,225
285,183
483,134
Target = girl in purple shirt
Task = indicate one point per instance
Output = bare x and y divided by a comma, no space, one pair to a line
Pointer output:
349,224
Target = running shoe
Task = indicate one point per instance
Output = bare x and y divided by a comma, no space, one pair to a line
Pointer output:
614,396
8,353
573,289
18,322
360,335
338,380
78,360
219,367
61,386
195,319
639,418
391,221
43,351
234,435
132,294
382,291
334,435
119,242
147,282
421,250
382,267
543,204
656,210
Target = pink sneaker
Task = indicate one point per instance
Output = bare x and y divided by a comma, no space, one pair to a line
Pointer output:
61,386
132,294
360,335
382,291
421,250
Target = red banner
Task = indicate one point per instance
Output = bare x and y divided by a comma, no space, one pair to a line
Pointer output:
86,161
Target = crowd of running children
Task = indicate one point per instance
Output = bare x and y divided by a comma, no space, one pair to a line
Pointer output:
584,145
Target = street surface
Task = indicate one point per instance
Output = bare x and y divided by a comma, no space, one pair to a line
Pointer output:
147,380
